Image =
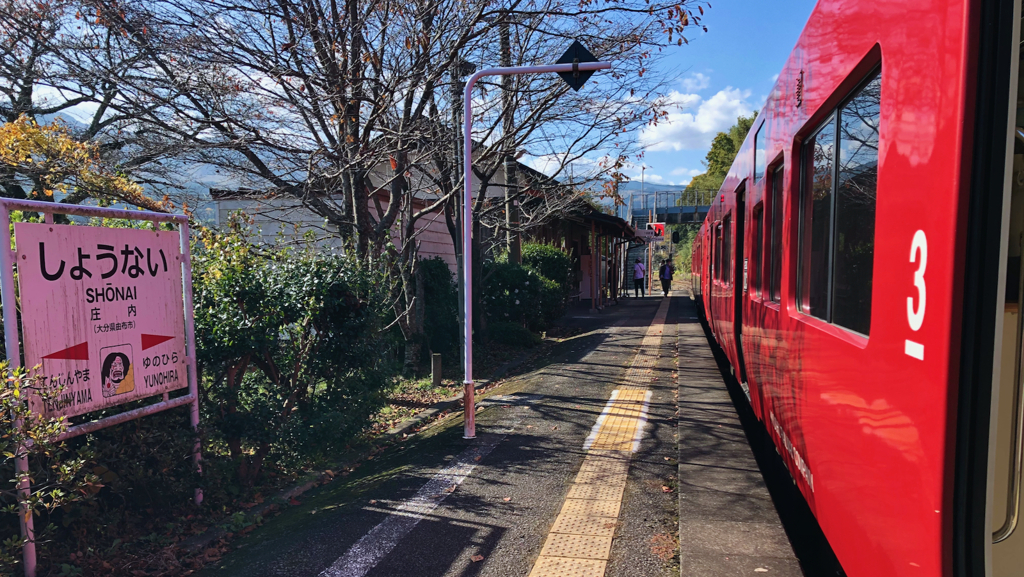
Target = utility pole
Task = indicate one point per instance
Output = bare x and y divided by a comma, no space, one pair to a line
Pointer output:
512,239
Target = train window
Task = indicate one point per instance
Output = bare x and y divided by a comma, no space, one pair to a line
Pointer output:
816,209
718,252
755,257
775,282
837,212
727,250
759,153
855,208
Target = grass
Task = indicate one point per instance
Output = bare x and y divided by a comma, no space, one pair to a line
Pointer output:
407,398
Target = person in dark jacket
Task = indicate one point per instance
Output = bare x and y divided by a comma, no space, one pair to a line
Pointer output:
665,274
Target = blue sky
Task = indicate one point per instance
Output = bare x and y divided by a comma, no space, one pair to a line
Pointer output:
720,75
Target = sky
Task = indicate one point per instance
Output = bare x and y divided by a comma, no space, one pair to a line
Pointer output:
718,76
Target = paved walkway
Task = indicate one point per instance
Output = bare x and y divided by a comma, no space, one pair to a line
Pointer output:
728,524
574,473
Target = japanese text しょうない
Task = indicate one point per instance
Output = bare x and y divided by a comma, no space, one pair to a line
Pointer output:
130,263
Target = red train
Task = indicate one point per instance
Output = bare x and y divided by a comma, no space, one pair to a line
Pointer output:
861,269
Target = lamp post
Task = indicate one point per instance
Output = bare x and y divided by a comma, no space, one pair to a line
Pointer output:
575,69
460,69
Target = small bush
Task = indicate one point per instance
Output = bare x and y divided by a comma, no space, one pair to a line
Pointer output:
556,269
511,293
552,303
549,262
441,306
288,343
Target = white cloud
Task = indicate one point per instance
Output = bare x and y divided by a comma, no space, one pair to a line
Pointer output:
695,82
549,164
774,78
687,171
682,130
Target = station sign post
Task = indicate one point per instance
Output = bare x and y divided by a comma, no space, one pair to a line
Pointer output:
106,313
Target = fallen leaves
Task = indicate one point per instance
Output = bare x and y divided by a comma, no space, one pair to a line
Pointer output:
664,546
506,499
477,558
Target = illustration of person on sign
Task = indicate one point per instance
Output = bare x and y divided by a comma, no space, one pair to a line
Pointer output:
117,374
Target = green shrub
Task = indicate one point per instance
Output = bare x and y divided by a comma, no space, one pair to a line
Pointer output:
511,293
58,477
284,338
441,306
556,268
549,262
552,304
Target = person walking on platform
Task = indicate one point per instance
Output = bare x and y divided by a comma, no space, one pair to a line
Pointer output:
639,274
665,274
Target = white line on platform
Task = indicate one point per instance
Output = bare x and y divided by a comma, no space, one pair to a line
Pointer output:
641,422
382,539
600,420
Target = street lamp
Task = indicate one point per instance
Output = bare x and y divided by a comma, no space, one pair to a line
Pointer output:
578,66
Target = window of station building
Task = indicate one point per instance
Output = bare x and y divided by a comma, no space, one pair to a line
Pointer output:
727,250
837,212
756,252
759,152
775,280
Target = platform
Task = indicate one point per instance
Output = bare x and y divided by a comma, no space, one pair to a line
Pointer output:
728,524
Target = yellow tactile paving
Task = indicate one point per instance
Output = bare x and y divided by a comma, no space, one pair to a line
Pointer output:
599,477
584,525
592,507
580,540
565,567
597,491
577,546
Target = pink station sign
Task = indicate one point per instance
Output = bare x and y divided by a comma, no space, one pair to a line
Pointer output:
102,312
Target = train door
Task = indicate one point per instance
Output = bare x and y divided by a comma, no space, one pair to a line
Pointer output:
993,425
1005,443
741,283
1007,429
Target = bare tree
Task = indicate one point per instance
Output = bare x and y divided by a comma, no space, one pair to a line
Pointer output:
62,59
345,105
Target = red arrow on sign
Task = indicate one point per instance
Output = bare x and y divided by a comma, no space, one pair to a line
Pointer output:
150,341
79,352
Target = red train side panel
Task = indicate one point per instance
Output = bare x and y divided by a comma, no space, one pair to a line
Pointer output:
862,418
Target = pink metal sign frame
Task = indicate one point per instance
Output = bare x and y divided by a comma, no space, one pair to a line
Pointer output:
12,338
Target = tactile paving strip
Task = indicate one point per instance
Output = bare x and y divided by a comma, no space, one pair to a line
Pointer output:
602,492
566,567
577,546
580,541
599,477
584,525
592,507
